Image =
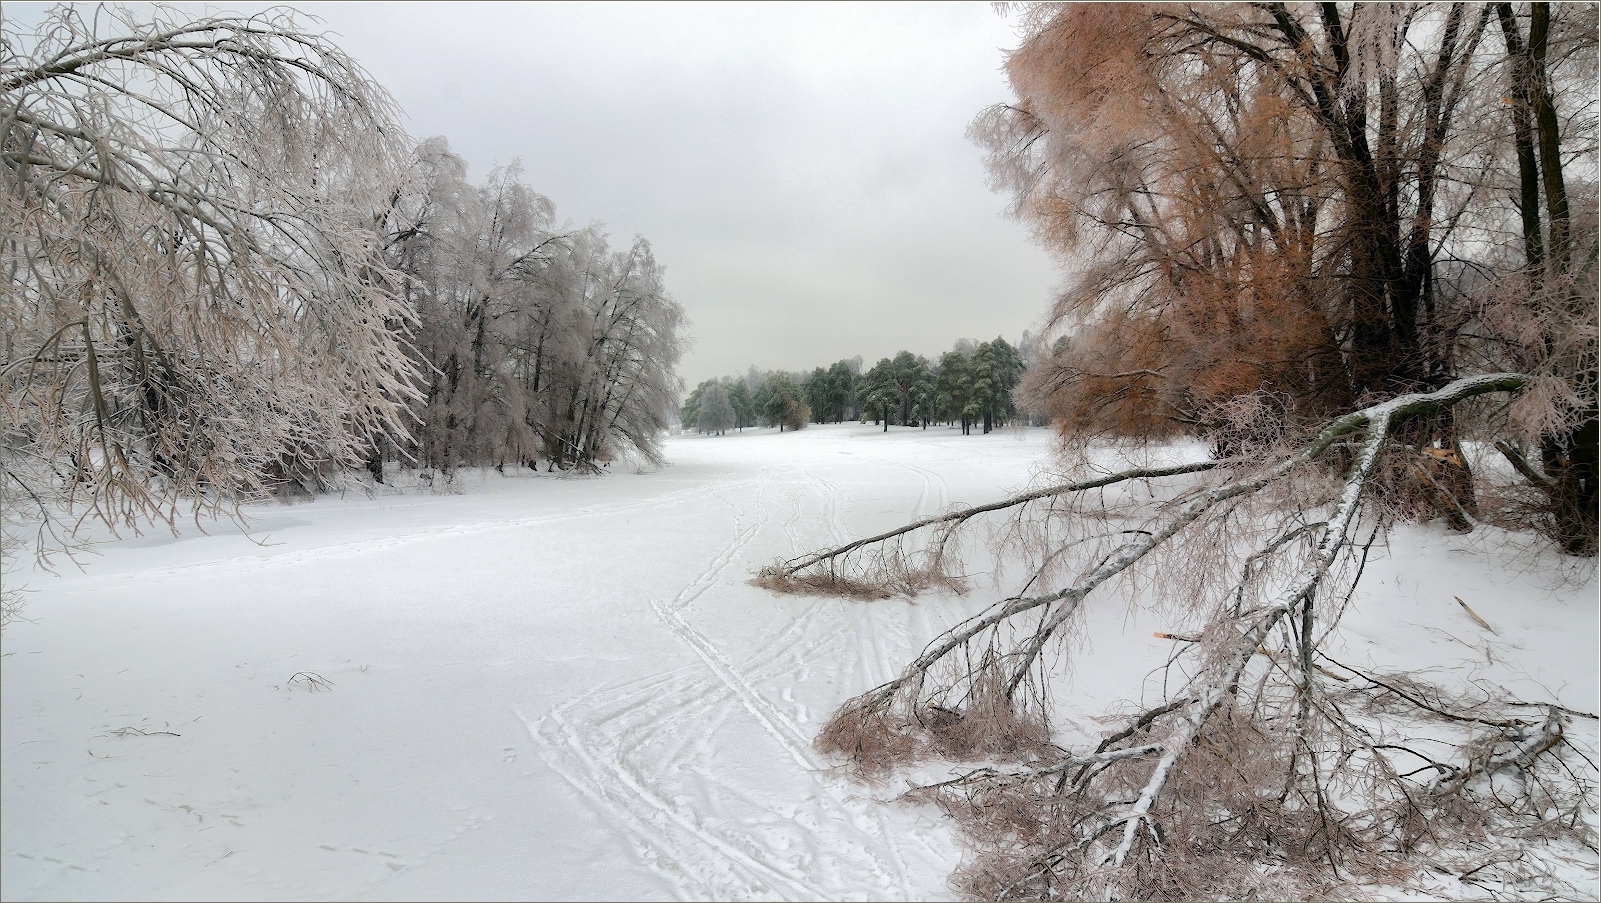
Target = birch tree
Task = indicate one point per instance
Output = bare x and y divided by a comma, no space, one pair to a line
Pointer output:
539,343
614,384
477,259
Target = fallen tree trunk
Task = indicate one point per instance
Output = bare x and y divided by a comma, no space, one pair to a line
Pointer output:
1257,759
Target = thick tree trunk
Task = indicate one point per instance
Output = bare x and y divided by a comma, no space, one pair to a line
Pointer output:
1528,170
1569,457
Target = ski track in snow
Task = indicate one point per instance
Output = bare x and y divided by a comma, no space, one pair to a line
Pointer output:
876,666
631,749
934,495
933,498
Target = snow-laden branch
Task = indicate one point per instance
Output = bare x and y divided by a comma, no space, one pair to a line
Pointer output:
955,518
957,699
1066,601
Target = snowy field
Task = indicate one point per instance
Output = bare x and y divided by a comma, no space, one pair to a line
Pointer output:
564,688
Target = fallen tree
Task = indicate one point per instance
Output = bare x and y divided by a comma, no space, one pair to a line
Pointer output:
1273,770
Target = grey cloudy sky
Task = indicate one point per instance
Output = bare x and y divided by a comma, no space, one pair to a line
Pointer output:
801,170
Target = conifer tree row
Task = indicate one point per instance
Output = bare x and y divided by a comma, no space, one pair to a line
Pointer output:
969,386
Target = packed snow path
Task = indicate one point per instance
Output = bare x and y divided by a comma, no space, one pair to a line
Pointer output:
552,688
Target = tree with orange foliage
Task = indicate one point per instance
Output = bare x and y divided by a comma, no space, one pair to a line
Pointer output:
1314,235
1313,207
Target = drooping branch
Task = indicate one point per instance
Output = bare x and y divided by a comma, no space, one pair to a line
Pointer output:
195,195
1100,822
1299,594
955,519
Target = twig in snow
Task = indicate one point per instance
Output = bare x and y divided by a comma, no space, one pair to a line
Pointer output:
312,680
1475,616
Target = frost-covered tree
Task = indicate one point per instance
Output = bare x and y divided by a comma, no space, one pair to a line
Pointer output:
785,403
716,413
952,386
488,317
614,382
744,406
1297,209
906,372
843,375
196,301
993,372
904,389
539,344
1331,238
819,391
689,412
879,391
830,392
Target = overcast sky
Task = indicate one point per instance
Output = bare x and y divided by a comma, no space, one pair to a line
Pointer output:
801,170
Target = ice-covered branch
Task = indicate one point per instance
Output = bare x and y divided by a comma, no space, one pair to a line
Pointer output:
957,698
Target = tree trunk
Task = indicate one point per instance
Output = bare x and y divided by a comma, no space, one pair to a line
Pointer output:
375,461
1569,456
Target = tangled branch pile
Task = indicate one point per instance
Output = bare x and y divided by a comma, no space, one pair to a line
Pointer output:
1333,241
1275,771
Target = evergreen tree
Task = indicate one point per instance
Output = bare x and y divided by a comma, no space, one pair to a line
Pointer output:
879,392
744,408
906,372
994,372
785,404
953,387
818,394
842,402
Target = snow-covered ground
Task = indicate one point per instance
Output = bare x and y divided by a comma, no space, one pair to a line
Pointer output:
564,688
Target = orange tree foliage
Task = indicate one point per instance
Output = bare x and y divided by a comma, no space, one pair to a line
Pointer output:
1264,207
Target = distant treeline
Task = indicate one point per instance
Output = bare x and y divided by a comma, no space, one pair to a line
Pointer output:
970,385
